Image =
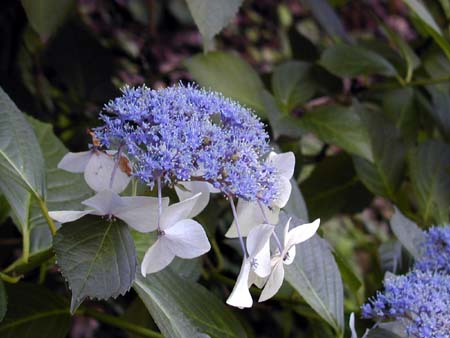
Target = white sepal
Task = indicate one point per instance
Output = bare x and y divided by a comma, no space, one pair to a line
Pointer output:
157,257
193,188
186,239
66,216
284,163
178,211
75,162
301,233
275,280
99,170
240,296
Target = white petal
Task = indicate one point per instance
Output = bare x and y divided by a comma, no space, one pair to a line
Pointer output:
75,162
187,239
289,256
240,296
284,163
140,212
284,189
351,324
99,170
68,215
104,202
178,211
253,278
258,237
286,232
274,282
301,233
157,257
193,188
250,215
262,259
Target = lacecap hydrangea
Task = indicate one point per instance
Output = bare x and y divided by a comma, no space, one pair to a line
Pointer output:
435,250
183,133
199,143
420,300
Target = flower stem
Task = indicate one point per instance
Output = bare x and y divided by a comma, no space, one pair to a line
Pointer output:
118,322
159,203
241,240
47,217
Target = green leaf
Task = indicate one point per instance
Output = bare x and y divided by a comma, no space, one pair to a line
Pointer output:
21,161
328,19
3,301
408,54
428,167
315,275
348,61
97,257
383,175
281,124
408,233
440,101
292,84
213,15
428,23
399,105
46,16
333,187
34,312
351,280
182,308
296,204
340,125
229,75
65,190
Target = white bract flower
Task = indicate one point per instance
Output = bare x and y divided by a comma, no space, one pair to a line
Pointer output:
177,236
98,168
250,213
291,238
139,212
257,262
192,188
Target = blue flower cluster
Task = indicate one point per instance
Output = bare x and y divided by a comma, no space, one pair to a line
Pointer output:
184,133
419,299
435,250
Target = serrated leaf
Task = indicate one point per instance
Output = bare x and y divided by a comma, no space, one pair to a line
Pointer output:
408,233
315,275
340,125
97,257
184,309
348,61
21,160
328,19
46,16
213,15
3,301
34,312
383,175
334,187
296,204
292,84
65,190
229,75
428,166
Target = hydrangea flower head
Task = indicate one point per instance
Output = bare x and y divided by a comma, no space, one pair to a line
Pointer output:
184,133
435,250
421,300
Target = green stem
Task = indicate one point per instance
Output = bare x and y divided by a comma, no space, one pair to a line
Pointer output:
420,82
118,322
25,245
47,217
9,279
